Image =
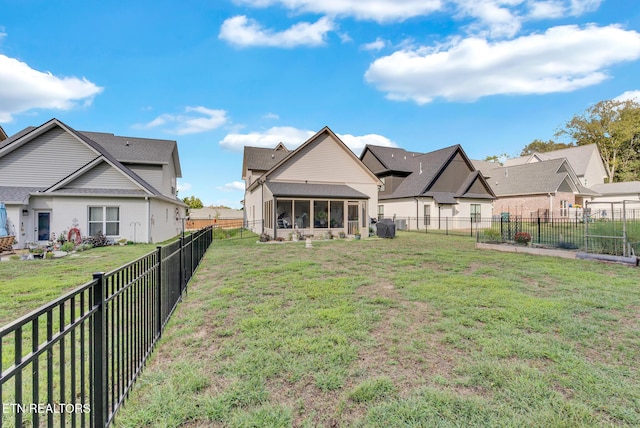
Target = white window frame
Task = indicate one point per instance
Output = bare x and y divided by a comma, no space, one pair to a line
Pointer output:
103,221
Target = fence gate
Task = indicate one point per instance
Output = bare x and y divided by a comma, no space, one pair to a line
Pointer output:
612,227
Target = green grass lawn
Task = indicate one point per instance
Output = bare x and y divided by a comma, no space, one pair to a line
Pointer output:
421,330
27,285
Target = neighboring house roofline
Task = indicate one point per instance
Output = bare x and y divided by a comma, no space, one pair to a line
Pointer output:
457,149
3,135
101,152
262,179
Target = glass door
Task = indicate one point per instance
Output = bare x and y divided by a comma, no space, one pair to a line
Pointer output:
44,226
352,218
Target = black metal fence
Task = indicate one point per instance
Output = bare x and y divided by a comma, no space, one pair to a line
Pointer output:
249,229
613,233
73,361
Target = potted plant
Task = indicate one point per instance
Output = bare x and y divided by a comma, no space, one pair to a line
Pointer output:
357,234
122,241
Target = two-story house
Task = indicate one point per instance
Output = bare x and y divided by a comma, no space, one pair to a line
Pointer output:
54,179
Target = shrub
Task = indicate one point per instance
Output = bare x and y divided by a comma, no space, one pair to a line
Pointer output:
492,235
97,240
522,238
67,247
265,238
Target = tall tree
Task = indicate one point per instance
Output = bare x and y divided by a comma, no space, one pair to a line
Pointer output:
499,159
539,146
614,126
193,202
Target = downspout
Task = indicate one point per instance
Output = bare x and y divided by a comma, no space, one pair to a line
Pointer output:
262,205
146,198
417,213
550,206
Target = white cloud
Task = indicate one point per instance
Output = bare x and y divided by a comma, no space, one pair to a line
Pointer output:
24,88
495,18
196,120
375,45
374,10
242,31
357,143
273,116
629,96
293,137
232,187
183,187
289,136
546,9
580,7
562,59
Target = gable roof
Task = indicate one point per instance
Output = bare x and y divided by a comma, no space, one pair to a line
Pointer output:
535,178
422,171
102,154
577,156
290,156
138,150
262,159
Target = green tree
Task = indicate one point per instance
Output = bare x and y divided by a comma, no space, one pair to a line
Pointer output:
539,146
499,159
614,126
193,202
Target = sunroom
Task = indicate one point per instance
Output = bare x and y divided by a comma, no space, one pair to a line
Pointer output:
314,210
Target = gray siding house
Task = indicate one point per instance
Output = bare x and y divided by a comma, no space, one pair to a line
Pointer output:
54,179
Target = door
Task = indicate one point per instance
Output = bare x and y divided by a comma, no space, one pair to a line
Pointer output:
352,218
44,226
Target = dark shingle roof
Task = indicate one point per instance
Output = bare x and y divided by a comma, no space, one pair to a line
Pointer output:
262,159
421,169
303,190
135,150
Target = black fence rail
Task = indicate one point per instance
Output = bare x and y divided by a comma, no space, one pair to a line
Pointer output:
249,229
73,361
595,232
464,226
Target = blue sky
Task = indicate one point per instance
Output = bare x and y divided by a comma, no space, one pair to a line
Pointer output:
216,75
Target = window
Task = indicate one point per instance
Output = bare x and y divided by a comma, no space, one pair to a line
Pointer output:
285,211
384,183
105,220
427,215
380,212
301,210
476,213
268,214
321,214
564,208
336,215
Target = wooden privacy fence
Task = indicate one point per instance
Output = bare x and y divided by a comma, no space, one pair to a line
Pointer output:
73,361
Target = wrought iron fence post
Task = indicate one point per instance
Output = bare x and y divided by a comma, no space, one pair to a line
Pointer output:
99,393
159,291
182,278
